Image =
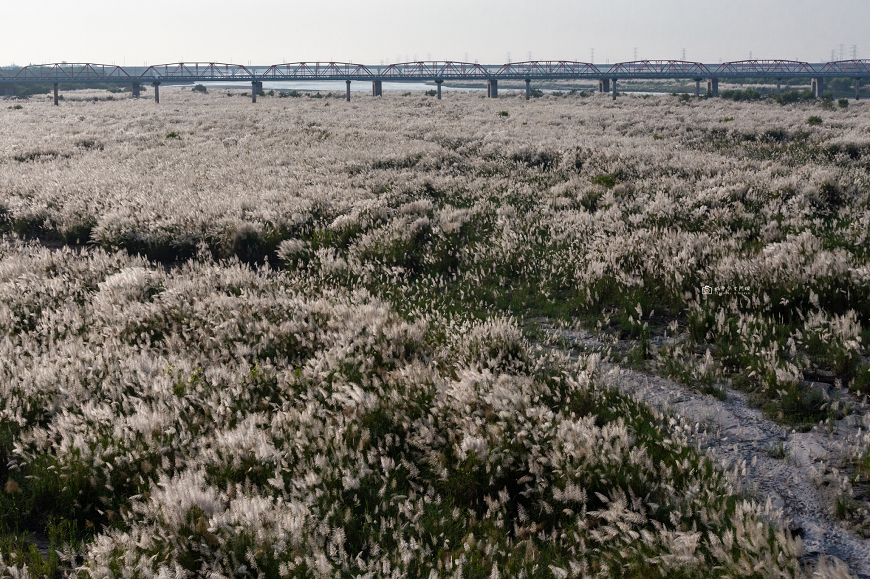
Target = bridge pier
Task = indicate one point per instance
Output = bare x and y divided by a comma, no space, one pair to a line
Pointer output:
697,87
256,88
156,86
528,88
377,88
779,85
348,90
614,89
857,88
713,86
135,92
438,85
9,92
492,88
55,94
817,85
604,85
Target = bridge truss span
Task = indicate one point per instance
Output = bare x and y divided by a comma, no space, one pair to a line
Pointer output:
317,71
193,71
434,70
548,69
67,72
765,68
659,69
856,68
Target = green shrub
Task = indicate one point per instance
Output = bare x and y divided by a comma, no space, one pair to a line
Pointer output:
503,114
814,121
605,180
843,103
432,92
200,88
793,96
861,382
173,135
749,94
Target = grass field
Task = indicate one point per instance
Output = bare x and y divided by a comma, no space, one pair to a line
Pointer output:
302,338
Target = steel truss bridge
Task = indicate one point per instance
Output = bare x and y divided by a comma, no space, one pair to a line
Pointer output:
435,71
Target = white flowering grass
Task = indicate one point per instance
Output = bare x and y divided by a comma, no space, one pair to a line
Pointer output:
221,419
312,367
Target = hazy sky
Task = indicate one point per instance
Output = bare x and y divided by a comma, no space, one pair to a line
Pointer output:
272,31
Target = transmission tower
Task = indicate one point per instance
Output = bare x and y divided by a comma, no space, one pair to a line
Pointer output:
842,55
592,58
854,52
684,54
635,53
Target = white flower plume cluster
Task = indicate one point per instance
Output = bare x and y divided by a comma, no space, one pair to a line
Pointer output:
226,421
201,411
